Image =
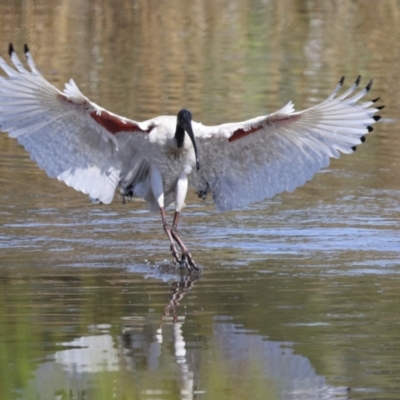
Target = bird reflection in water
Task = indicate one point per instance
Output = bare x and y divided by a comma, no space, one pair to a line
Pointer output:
142,339
179,290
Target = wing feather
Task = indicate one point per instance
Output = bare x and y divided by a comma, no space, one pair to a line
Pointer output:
66,134
252,160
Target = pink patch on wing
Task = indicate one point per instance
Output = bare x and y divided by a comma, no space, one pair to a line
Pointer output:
114,124
239,133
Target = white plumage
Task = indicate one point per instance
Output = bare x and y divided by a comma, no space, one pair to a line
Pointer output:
94,150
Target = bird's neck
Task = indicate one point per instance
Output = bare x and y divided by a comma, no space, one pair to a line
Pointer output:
179,136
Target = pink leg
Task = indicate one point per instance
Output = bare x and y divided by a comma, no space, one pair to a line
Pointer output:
186,258
168,231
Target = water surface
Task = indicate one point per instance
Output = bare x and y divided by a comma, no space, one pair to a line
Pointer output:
298,296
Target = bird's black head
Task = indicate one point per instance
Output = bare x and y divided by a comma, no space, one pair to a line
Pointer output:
184,118
184,123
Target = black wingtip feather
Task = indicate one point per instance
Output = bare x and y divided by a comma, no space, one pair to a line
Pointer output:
354,148
362,138
10,49
368,87
341,81
26,48
370,128
357,82
376,117
375,100
380,108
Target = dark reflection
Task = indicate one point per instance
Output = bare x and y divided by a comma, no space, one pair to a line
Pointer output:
179,290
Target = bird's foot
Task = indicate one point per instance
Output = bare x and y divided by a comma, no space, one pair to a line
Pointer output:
175,253
188,262
186,259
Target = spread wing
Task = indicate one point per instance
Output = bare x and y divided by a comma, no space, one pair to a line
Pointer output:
70,137
252,160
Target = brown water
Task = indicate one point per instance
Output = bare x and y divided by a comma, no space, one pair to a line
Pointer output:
298,296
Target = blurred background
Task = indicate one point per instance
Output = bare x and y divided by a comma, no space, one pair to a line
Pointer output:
298,295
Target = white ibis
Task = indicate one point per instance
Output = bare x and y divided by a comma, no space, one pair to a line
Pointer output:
95,151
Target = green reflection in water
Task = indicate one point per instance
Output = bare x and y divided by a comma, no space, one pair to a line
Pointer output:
96,333
101,335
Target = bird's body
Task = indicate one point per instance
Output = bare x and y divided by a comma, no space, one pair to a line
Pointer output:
164,157
95,151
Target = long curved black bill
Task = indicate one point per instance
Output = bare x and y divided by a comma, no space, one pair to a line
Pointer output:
189,130
187,122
